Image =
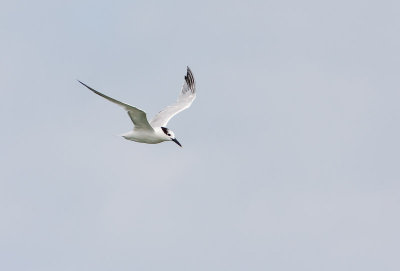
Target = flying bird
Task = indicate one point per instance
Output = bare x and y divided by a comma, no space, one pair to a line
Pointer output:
155,132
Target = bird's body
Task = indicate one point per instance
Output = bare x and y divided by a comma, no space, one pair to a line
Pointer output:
155,132
146,136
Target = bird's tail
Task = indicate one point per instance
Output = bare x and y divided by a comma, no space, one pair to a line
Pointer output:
125,135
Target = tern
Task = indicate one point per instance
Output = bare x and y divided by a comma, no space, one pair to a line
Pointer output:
155,132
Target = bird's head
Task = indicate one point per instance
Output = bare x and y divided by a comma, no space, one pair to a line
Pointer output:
170,135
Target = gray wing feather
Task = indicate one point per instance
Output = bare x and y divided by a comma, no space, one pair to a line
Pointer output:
185,99
137,116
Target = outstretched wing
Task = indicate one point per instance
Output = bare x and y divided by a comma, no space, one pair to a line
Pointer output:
137,116
185,99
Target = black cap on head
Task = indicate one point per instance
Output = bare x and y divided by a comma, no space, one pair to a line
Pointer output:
165,130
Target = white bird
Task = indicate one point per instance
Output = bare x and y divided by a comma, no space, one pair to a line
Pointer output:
155,131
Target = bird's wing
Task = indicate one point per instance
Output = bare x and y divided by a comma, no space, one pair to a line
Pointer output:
137,116
185,99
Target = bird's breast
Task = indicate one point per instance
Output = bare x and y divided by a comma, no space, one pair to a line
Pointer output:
143,137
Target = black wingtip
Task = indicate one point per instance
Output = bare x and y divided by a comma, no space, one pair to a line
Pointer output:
81,82
188,70
85,85
189,78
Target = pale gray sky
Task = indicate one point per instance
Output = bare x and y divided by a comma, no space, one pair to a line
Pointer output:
291,149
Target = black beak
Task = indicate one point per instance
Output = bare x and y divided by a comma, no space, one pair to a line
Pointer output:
176,141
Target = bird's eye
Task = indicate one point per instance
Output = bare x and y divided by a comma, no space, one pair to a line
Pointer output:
169,134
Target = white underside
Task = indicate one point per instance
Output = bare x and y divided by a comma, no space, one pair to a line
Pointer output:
145,136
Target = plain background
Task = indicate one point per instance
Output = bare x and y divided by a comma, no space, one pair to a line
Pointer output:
291,149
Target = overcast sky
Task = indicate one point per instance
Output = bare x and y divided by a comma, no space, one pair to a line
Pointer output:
291,149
